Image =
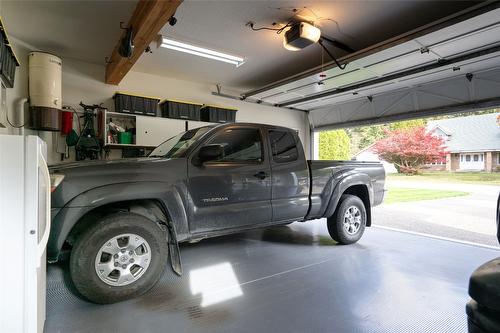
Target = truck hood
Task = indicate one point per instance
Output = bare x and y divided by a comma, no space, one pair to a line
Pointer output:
98,163
81,177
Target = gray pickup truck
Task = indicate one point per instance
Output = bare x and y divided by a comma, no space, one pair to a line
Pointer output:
121,220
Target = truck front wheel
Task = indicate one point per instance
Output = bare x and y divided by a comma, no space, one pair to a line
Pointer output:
347,224
119,257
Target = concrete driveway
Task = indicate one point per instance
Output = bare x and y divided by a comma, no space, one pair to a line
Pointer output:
468,218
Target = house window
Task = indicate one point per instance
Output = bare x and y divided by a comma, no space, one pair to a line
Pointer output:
467,158
476,158
482,157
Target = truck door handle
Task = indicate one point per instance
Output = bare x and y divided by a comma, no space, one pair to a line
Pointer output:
261,175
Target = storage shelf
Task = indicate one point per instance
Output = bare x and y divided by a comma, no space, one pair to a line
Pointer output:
124,114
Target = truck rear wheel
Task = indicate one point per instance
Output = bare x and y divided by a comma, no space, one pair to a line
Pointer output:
347,224
121,256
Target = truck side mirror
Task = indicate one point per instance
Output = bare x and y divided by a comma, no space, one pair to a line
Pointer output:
210,153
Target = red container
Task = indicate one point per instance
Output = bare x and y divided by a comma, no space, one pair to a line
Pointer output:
66,122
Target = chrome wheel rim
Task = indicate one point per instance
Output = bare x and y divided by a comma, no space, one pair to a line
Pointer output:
123,259
352,220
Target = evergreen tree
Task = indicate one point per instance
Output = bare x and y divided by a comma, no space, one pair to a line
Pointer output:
334,145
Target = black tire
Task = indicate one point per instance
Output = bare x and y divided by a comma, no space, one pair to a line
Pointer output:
83,255
335,223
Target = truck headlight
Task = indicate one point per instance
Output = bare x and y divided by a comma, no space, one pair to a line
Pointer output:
55,180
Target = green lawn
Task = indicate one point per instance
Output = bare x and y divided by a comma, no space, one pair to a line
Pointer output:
396,194
484,178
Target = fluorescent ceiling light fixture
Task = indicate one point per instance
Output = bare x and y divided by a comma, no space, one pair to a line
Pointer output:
201,51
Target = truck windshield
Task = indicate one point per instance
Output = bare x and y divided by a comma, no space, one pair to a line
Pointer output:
177,146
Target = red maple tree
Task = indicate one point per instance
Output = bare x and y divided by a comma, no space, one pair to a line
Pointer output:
410,149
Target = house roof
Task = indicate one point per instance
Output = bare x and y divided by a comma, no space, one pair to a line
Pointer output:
368,148
440,127
471,133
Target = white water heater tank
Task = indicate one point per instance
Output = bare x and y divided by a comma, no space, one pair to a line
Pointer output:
45,76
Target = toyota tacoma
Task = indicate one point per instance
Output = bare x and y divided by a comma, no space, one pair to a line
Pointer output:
120,221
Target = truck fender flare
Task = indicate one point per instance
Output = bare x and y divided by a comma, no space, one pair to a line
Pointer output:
348,181
155,212
67,217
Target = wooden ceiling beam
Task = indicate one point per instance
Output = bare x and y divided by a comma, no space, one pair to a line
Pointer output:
147,20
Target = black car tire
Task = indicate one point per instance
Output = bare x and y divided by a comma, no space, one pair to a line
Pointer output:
88,244
335,223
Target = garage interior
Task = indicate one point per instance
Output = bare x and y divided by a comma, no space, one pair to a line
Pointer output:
375,62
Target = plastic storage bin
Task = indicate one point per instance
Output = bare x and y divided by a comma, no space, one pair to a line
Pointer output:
180,110
217,114
136,104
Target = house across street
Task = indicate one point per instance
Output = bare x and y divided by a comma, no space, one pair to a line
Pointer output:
472,143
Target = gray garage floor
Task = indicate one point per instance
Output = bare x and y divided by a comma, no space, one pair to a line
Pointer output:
291,279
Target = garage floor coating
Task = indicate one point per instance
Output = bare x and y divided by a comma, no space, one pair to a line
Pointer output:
291,279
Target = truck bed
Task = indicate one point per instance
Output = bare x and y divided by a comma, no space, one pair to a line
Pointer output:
327,179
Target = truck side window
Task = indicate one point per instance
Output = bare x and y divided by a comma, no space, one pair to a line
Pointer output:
283,146
240,145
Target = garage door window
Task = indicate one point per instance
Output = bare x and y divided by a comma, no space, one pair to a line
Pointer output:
240,145
283,146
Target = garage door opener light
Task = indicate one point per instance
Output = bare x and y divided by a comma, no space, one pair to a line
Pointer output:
300,35
200,51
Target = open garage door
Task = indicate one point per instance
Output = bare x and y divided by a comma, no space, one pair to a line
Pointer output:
449,66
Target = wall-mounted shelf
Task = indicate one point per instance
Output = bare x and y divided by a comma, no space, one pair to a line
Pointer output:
149,131
121,114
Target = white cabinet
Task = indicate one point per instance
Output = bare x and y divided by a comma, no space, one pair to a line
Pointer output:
151,131
192,124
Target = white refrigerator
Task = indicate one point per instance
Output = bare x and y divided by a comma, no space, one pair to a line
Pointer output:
24,232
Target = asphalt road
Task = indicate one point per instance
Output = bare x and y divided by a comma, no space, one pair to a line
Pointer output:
468,218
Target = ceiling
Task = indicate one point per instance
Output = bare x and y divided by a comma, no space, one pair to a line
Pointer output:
88,30
84,30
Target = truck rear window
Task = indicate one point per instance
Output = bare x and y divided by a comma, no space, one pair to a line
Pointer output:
240,145
283,146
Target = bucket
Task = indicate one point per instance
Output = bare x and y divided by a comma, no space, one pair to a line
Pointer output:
125,138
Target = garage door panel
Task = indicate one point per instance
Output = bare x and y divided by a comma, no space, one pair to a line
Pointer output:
449,92
347,79
462,28
334,79
283,97
388,54
465,44
487,85
335,82
321,103
405,62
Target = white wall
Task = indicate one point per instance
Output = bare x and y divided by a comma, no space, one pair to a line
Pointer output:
85,82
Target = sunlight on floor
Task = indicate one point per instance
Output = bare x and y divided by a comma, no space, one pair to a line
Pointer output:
216,283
